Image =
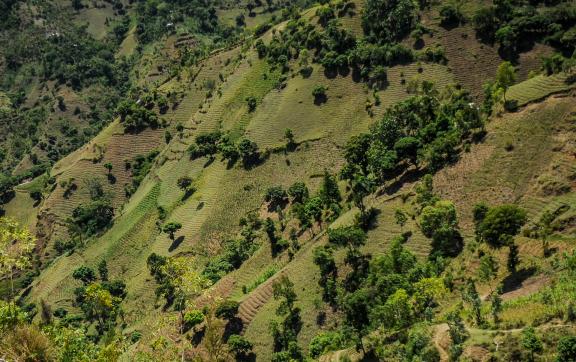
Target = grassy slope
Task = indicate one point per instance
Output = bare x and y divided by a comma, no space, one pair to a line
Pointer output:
222,196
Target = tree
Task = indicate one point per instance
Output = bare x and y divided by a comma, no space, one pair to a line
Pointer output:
285,335
513,258
251,102
458,334
298,192
400,218
289,136
473,298
184,182
488,268
103,270
240,347
451,14
213,341
531,342
324,257
505,76
16,247
397,311
478,214
545,229
496,304
388,21
84,274
407,149
227,309
275,196
99,303
500,223
319,93
329,191
184,283
440,223
108,166
347,236
567,349
248,151
171,228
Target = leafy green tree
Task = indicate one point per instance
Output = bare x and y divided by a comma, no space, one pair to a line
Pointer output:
478,214
545,229
184,182
17,245
324,258
400,218
91,218
319,93
440,223
361,187
251,102
486,23
329,191
240,347
103,270
407,149
298,192
473,298
227,309
108,166
347,236
248,151
513,257
325,14
397,312
500,223
289,136
488,268
84,274
451,13
388,21
171,228
567,349
193,318
458,334
285,334
275,196
531,342
505,76
496,304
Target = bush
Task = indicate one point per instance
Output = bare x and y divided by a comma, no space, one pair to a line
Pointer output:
567,349
239,346
91,218
275,196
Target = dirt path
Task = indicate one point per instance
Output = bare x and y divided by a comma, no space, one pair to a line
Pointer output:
439,334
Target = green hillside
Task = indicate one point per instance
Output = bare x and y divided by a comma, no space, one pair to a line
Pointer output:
355,180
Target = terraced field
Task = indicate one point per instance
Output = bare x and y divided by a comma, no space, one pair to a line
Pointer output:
540,87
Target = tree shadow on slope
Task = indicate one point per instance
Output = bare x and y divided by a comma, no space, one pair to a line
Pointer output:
515,280
176,243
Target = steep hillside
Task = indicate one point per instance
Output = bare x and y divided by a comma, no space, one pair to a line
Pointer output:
277,181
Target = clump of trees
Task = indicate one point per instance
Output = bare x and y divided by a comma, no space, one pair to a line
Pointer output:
93,217
139,167
516,26
135,117
209,144
425,131
99,300
234,251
